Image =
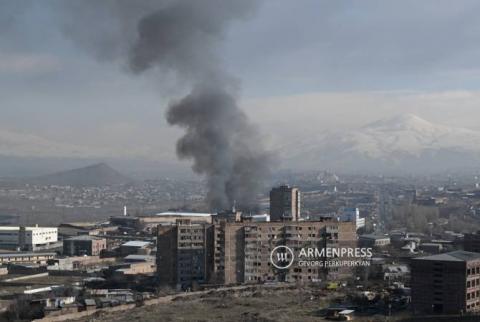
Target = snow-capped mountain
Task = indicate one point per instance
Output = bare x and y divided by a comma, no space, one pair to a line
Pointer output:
405,143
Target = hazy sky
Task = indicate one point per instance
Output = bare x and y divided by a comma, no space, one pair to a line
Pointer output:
303,65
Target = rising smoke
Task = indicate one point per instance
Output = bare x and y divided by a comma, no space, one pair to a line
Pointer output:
181,38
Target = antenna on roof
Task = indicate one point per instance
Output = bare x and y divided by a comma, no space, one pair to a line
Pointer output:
125,210
234,208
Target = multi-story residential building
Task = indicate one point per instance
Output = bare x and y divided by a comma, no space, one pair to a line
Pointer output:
446,283
284,203
84,245
242,250
184,253
27,238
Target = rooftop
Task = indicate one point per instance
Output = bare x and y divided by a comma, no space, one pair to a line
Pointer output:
84,237
27,228
185,214
136,243
13,254
135,257
455,256
371,236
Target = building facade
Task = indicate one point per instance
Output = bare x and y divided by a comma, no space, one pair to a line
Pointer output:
25,257
285,203
371,240
184,253
27,238
84,245
242,250
446,283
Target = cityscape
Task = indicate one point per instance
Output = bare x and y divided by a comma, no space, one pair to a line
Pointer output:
239,161
422,234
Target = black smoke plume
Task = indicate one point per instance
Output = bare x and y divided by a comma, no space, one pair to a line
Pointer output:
181,38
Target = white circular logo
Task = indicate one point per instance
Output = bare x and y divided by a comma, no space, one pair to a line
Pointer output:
282,257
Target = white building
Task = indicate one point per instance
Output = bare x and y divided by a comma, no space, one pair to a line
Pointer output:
347,214
27,238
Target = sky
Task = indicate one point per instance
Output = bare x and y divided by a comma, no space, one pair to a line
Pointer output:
302,66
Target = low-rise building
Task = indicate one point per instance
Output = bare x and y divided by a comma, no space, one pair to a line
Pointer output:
371,240
67,230
136,247
431,248
140,268
84,245
25,257
27,238
139,258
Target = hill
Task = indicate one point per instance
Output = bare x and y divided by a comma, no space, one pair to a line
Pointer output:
99,174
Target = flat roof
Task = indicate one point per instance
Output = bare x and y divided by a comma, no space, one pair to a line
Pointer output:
455,256
371,236
136,243
84,237
186,214
27,228
26,254
140,257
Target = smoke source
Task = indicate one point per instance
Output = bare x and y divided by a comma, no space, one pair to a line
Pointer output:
181,38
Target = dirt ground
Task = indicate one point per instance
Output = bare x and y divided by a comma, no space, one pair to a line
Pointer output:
251,306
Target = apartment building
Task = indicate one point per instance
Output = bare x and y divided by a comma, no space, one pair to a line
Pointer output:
446,283
184,253
284,203
242,250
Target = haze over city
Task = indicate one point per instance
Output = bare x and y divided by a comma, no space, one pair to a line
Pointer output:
332,66
239,160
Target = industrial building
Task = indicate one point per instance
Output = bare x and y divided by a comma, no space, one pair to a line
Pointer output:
284,203
27,238
446,283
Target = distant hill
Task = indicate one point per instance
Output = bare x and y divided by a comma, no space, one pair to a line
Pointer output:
99,174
